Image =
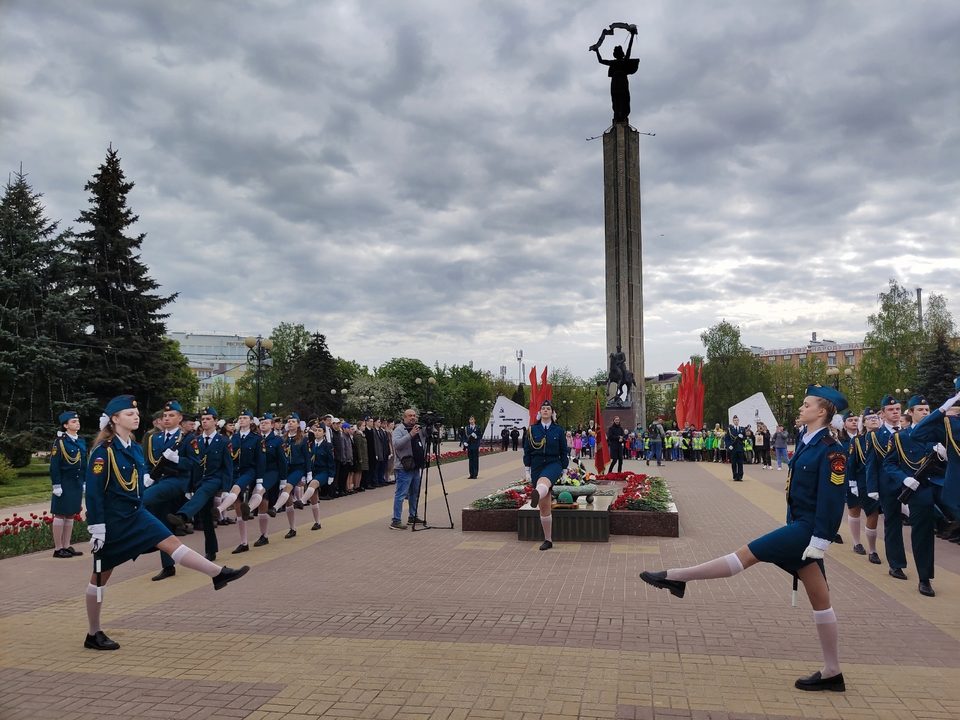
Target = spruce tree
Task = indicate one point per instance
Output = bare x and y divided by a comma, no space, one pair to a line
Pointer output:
313,376
40,326
939,365
119,298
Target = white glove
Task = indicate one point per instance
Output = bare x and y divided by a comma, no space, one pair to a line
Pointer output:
98,536
259,486
147,480
950,403
526,473
911,483
905,509
941,451
873,496
188,495
309,476
816,549
854,489
58,490
171,455
330,480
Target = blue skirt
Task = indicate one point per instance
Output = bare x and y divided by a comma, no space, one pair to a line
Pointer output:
784,546
132,536
552,471
69,502
245,479
295,475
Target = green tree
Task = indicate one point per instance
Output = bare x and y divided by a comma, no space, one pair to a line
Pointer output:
40,328
117,297
183,383
290,341
222,397
938,320
894,342
384,397
520,395
406,371
312,376
939,365
731,372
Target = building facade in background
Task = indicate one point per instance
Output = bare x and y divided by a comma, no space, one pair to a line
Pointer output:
213,357
833,354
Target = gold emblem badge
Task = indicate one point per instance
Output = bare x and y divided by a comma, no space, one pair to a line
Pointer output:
98,466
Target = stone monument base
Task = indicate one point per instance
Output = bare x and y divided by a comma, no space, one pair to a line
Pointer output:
628,417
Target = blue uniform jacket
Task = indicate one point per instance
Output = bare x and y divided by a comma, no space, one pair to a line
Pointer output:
554,447
275,460
213,461
906,456
156,443
114,482
298,453
324,466
68,461
249,456
877,450
937,427
856,471
816,486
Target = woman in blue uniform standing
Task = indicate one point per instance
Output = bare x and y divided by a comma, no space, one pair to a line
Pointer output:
545,455
816,496
121,528
323,469
68,465
858,503
298,470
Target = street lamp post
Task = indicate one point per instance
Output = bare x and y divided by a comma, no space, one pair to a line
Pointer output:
339,398
431,384
519,355
258,356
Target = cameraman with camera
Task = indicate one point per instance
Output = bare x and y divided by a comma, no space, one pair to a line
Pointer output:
410,456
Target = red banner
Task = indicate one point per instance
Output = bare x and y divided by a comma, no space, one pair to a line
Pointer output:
601,455
690,392
538,393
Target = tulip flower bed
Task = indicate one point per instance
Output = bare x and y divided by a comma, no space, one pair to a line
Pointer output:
26,534
644,507
454,455
643,492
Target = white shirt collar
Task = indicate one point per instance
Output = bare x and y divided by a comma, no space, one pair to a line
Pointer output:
72,436
210,436
126,444
809,436
546,423
889,427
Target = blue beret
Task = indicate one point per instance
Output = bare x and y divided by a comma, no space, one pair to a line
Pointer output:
245,412
828,393
846,414
916,400
173,405
546,403
867,411
209,411
888,399
120,403
266,416
67,416
293,416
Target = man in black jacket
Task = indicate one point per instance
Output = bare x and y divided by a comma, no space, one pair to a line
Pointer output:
734,443
615,434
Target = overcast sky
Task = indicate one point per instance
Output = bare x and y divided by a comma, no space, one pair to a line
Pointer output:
413,178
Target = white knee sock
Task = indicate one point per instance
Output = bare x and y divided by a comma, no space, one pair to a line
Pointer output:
829,634
93,607
242,527
227,502
195,561
282,500
871,534
721,567
67,532
58,533
291,515
547,522
264,520
255,500
854,523
315,509
308,494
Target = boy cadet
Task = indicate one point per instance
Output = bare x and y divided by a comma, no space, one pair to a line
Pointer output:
886,490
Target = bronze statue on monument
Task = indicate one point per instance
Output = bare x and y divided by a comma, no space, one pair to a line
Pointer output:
622,380
618,69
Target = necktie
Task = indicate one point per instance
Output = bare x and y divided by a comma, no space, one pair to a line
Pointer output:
896,428
206,441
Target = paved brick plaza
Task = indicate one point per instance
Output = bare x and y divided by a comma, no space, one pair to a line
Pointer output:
357,620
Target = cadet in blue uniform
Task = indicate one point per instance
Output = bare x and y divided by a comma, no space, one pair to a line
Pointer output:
943,427
903,461
816,493
470,440
120,526
323,469
546,456
884,489
298,470
168,477
249,462
274,476
734,444
858,502
68,467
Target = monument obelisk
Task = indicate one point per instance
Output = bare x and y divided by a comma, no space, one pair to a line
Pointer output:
623,242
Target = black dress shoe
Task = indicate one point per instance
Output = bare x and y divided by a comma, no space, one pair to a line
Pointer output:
228,575
62,554
261,541
659,579
75,553
534,497
210,556
99,641
837,540
245,511
179,525
816,682
316,526
897,573
546,545
290,534
298,505
926,589
858,549
165,573
241,549
874,558
271,512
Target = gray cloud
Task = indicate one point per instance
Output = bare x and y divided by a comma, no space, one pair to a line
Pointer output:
412,178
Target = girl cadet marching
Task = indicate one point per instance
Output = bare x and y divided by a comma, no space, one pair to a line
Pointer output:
861,508
298,468
816,495
68,465
274,476
249,462
545,455
324,473
121,528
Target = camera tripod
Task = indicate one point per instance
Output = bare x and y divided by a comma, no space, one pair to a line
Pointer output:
426,493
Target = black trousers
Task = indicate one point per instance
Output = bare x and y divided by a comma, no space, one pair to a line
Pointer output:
618,461
473,461
736,464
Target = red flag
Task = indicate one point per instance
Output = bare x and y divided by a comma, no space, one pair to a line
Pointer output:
534,396
602,452
681,413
